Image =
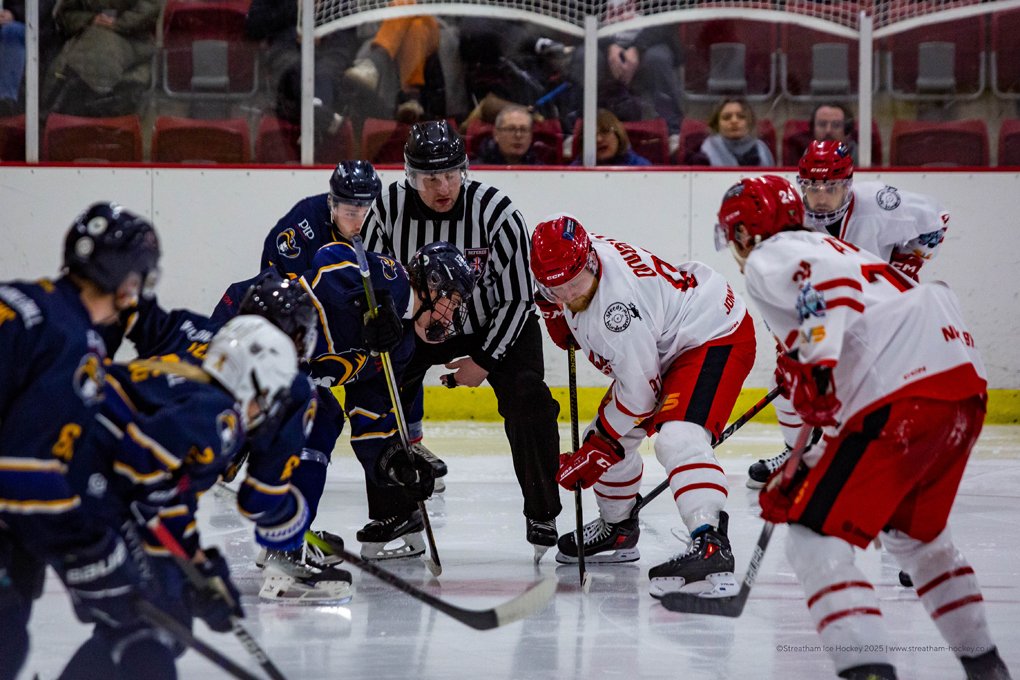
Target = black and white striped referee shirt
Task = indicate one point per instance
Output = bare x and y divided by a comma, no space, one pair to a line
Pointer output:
488,229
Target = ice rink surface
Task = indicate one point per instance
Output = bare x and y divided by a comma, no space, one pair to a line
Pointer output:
614,631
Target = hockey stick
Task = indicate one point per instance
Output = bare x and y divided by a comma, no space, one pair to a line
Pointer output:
201,582
533,600
736,425
575,443
733,606
158,618
433,564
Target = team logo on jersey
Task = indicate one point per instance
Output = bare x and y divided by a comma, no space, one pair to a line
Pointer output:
229,427
810,303
88,379
632,308
888,198
932,238
286,243
617,317
477,258
389,268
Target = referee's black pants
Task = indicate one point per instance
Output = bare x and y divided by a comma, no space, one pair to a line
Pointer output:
527,407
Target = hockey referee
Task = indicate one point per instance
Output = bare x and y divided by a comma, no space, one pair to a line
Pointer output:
502,342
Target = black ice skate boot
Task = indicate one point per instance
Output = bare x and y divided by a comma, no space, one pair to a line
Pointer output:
301,576
760,472
871,671
988,666
322,549
542,535
375,535
706,567
604,543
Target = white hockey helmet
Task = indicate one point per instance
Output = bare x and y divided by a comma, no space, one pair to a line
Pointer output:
256,362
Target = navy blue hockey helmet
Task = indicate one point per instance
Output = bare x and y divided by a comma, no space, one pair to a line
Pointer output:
287,305
354,182
107,243
433,146
441,268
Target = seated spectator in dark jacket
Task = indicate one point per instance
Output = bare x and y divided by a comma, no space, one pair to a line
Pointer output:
735,142
612,146
512,142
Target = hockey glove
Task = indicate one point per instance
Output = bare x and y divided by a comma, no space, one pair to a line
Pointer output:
596,455
409,470
102,581
555,323
811,389
383,332
216,601
775,500
908,264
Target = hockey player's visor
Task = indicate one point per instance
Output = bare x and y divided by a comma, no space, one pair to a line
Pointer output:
722,236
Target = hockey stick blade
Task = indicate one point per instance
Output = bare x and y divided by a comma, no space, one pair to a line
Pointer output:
533,600
689,603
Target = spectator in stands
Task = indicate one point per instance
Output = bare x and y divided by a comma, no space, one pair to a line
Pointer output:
734,142
612,146
831,121
275,24
105,64
12,55
407,43
512,139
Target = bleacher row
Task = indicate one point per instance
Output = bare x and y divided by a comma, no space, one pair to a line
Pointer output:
185,140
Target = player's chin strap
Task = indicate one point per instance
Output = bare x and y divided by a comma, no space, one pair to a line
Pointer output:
436,331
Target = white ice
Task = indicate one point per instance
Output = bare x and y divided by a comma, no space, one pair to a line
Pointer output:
614,631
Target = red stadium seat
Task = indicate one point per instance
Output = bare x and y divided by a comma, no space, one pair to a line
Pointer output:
1009,143
12,139
1005,56
817,66
797,136
937,61
75,139
278,141
955,143
767,134
760,42
185,140
205,51
382,140
693,133
648,138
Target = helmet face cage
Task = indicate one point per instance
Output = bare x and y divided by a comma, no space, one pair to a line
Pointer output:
287,306
827,166
107,244
438,272
353,183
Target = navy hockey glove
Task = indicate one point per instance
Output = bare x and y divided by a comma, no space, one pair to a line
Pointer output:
409,470
216,601
383,332
102,581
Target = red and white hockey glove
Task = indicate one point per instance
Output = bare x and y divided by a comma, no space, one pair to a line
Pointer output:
552,314
811,389
596,455
776,501
907,264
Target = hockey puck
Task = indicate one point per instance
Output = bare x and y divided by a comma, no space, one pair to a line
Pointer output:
905,580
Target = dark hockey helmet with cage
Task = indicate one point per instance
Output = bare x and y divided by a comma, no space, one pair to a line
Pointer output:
759,207
439,271
354,182
287,305
106,244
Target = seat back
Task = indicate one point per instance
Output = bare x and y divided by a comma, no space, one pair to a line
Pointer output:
830,69
727,71
12,139
209,72
936,66
76,139
648,138
1005,57
948,144
1009,143
382,140
921,64
223,63
186,140
767,133
693,133
752,74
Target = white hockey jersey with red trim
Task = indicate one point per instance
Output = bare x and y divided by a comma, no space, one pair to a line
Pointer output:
882,219
886,336
644,314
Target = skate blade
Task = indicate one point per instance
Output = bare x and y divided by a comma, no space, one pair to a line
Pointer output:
410,545
751,484
721,584
615,557
286,590
540,551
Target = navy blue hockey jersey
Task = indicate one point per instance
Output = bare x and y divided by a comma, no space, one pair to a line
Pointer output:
291,245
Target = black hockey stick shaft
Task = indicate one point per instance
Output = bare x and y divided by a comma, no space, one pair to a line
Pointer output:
434,565
200,581
733,427
524,605
733,606
575,444
158,618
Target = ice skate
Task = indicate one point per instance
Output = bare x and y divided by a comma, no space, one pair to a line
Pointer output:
604,543
322,549
760,472
379,533
705,568
988,666
298,577
542,535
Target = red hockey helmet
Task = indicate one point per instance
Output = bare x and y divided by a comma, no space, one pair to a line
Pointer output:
759,207
560,250
825,161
